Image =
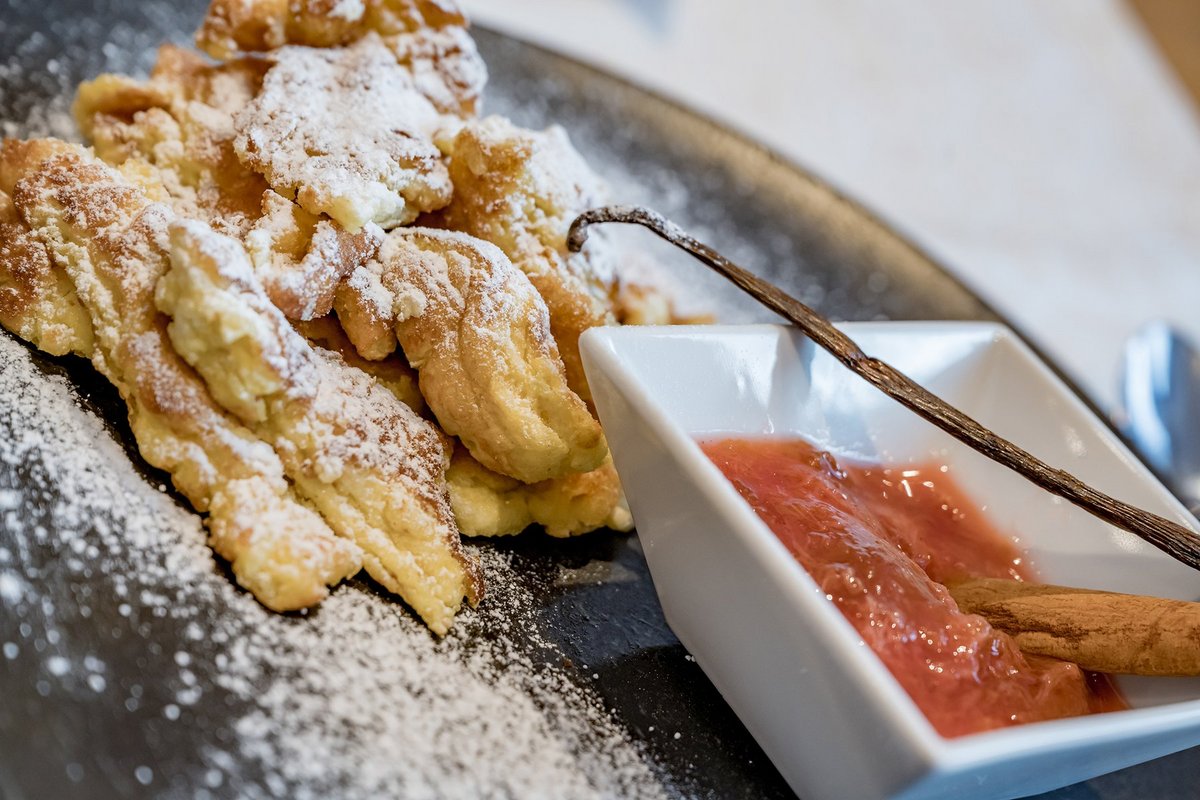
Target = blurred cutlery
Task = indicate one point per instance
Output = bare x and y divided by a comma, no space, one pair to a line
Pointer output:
1160,398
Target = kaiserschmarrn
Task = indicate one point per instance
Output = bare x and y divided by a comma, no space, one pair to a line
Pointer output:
338,305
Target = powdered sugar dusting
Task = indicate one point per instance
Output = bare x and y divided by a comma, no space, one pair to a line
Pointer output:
348,132
52,118
515,730
367,284
38,76
354,700
348,10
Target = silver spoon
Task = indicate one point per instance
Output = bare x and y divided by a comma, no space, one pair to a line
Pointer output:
1160,399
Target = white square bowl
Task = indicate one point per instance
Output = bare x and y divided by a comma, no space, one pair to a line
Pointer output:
823,707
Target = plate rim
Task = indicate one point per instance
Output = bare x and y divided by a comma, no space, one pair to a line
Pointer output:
876,220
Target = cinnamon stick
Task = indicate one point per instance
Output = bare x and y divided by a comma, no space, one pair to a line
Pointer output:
1100,631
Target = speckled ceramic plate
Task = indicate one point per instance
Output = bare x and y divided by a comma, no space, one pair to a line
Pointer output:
116,655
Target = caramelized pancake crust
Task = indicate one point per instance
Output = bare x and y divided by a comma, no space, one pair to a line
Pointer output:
37,299
178,129
179,125
301,258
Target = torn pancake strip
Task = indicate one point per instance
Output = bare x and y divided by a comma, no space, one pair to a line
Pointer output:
489,504
520,190
109,239
374,469
478,334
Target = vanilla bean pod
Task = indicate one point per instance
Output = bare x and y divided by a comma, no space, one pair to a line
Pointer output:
1170,537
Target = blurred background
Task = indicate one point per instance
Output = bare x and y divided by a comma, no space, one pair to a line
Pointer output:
1047,152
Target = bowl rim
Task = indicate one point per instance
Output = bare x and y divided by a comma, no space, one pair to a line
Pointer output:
870,674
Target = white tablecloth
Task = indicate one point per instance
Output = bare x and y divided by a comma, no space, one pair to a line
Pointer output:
1041,149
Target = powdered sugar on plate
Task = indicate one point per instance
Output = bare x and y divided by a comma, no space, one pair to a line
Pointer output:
354,700
471,716
38,77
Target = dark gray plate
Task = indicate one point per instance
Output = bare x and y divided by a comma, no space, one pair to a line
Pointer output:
57,739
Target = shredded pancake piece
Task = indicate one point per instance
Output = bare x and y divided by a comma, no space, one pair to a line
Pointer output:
37,299
366,310
489,504
347,133
393,372
301,258
179,124
479,336
520,190
109,239
429,37
178,128
650,304
240,26
372,467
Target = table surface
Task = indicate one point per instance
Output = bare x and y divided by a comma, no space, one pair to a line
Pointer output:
1044,151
